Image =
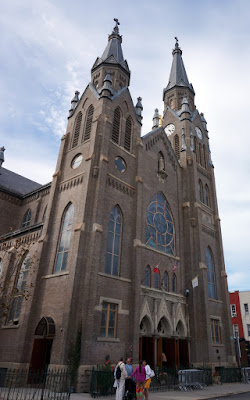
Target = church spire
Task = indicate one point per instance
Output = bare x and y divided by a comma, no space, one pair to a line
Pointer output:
178,79
111,58
178,75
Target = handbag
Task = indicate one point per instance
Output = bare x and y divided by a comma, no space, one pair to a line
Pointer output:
152,374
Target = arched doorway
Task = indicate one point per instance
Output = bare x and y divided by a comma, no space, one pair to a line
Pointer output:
44,334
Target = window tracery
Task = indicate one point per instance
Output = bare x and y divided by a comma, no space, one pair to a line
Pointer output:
114,242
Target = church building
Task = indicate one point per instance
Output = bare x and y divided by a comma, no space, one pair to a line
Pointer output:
127,234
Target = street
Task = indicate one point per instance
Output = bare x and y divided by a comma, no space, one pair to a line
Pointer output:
242,396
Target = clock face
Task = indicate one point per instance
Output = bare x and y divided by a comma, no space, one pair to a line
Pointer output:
198,132
169,129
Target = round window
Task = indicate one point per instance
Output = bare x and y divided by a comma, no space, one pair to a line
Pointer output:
76,161
120,164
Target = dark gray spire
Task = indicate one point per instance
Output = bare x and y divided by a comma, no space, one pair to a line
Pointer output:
113,53
178,75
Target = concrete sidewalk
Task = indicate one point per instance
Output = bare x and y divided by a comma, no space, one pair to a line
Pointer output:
211,391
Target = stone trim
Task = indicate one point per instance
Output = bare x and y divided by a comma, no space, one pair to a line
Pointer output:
119,278
114,301
122,148
105,339
202,265
216,301
187,204
138,243
208,231
55,275
80,226
120,185
97,227
223,274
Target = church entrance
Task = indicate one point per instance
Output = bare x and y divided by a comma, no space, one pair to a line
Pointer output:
44,334
165,353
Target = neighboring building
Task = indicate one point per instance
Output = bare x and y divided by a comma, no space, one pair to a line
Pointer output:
236,314
119,205
245,307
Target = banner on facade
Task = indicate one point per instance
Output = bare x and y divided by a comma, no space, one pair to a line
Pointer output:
195,281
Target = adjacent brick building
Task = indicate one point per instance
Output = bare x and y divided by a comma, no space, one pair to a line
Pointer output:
119,205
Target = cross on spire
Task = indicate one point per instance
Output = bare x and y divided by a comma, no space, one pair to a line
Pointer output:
116,29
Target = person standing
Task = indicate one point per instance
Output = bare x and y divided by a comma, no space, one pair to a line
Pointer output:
128,366
140,376
148,379
120,380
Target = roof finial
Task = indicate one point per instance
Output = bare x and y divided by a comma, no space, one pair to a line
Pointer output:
176,43
116,29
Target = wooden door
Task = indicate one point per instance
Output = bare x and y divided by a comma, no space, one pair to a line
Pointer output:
159,352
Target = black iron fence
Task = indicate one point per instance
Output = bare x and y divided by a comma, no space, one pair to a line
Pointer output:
228,374
16,384
101,382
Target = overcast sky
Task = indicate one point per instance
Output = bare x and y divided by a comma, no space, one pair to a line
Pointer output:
49,46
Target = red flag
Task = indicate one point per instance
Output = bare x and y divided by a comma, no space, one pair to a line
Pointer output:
156,269
175,267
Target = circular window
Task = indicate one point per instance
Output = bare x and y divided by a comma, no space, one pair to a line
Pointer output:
76,161
120,164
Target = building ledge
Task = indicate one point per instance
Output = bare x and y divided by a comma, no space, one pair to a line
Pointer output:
119,278
55,275
104,339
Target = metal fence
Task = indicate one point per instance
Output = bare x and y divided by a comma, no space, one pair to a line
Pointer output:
101,382
16,384
229,374
246,374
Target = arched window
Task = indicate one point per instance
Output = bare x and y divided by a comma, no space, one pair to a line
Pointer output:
147,279
116,126
200,155
206,196
1,266
19,291
205,156
128,134
26,219
160,232
174,284
165,280
64,238
157,280
88,123
114,242
44,214
177,146
210,273
200,190
196,150
77,129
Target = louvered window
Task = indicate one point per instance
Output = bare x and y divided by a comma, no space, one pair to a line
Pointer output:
128,133
177,146
88,125
116,125
205,156
77,129
200,154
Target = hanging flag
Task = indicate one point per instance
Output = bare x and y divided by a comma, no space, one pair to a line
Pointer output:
195,281
156,269
175,266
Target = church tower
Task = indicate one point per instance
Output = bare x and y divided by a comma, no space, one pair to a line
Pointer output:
186,128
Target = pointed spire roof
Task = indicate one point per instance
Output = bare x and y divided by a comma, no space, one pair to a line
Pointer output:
113,52
178,75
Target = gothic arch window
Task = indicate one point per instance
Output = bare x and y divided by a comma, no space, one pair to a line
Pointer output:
196,149
44,214
165,280
1,267
128,134
19,290
160,231
116,125
174,283
200,190
210,273
64,239
77,129
177,146
157,280
161,162
114,242
200,155
147,279
88,123
205,156
206,196
26,219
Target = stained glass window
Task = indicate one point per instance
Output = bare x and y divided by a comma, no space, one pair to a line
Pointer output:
210,274
165,280
160,232
26,219
64,239
200,190
157,281
206,196
20,290
215,331
108,320
114,240
174,284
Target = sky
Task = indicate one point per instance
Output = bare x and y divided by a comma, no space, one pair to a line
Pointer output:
48,48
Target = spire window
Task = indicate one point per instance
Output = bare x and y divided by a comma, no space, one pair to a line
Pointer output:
200,190
165,280
200,155
206,196
174,283
128,134
77,129
177,146
114,242
205,156
210,274
88,123
157,280
147,279
64,239
116,126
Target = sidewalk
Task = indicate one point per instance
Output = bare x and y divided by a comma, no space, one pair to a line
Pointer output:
210,391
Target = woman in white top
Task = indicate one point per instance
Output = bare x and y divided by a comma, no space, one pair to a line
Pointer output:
147,380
